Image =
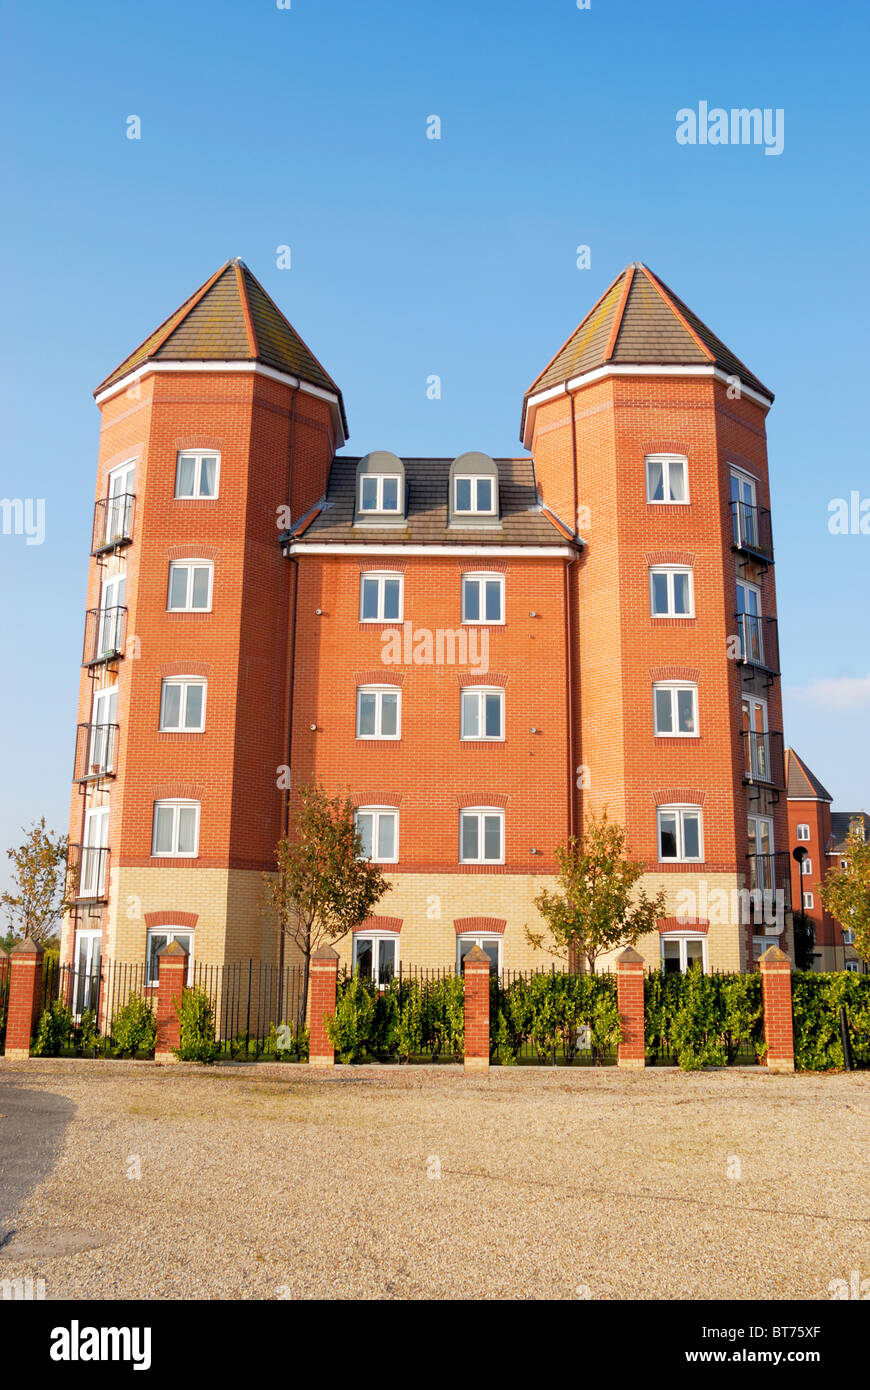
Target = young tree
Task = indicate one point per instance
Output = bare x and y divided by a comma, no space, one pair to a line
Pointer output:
846,892
598,906
322,888
40,884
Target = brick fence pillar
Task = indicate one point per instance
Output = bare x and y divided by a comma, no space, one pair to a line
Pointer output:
476,965
172,977
25,997
323,989
4,968
776,995
629,996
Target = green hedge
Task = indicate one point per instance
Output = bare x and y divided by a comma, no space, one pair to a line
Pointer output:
702,1020
546,1010
410,1018
816,1001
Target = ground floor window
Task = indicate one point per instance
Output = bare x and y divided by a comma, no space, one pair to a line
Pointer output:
155,941
376,956
852,967
682,953
491,945
86,982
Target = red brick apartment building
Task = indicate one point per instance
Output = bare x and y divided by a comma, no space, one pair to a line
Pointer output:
821,833
479,651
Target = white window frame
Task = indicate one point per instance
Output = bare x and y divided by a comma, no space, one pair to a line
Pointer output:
674,687
480,812
666,460
113,602
804,825
379,479
466,940
185,682
381,576
742,479
848,936
481,692
682,939
806,867
125,473
190,565
482,578
475,479
171,934
851,966
197,495
377,812
376,937
680,810
102,743
809,901
670,571
379,691
95,844
757,618
176,805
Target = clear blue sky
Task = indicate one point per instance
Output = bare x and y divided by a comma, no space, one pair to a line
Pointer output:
263,127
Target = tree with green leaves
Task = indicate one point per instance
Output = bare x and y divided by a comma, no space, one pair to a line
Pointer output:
846,892
323,887
40,884
598,906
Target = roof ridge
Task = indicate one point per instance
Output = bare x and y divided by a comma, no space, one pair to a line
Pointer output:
616,326
247,271
668,297
576,330
240,268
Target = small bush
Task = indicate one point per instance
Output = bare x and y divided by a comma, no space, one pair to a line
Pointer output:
54,1031
135,1028
351,1028
286,1043
85,1036
197,1034
702,1020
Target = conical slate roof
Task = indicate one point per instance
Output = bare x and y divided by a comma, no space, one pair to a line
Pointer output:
802,784
230,318
638,320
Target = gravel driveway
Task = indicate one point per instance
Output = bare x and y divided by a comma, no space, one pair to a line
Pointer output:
273,1182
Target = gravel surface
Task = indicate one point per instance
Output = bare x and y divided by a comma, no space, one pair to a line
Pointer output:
273,1182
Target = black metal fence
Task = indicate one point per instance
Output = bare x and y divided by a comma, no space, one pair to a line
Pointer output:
94,995
251,1001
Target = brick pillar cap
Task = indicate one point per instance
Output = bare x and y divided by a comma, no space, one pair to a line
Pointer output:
172,948
3,953
324,953
774,956
476,956
629,957
27,947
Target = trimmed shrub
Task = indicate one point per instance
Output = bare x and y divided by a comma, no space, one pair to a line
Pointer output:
816,1001
351,1028
549,1010
54,1031
197,1033
702,1020
135,1028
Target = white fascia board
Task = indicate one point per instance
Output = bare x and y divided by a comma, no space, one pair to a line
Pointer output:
505,552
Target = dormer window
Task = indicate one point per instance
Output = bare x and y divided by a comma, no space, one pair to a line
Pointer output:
473,499
380,489
474,495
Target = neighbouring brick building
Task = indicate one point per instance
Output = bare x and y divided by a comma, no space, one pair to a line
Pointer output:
479,651
821,833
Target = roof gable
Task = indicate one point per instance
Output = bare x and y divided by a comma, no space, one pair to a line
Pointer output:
802,784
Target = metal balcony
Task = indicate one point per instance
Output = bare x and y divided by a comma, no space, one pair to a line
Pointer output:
769,875
113,523
88,874
105,631
96,752
759,642
764,758
751,531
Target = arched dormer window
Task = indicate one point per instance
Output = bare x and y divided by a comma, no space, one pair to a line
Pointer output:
380,488
473,497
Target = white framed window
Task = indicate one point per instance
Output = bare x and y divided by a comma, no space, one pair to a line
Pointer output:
745,523
809,901
803,831
682,953
671,591
381,597
190,586
474,494
848,936
482,714
101,747
376,956
86,977
182,704
675,709
757,752
380,492
667,478
378,712
197,473
844,863
852,967
806,866
483,598
378,827
176,829
95,853
113,599
680,833
490,945
481,835
155,940
749,621
119,492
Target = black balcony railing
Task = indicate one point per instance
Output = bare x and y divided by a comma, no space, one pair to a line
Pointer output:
769,876
113,522
105,630
751,531
87,868
763,760
758,641
96,752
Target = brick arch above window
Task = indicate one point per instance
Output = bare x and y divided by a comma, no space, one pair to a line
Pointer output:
384,675
194,551
377,799
492,926
175,791
679,796
482,565
699,926
131,455
383,564
467,799
670,557
665,446
198,441
171,919
675,673
186,668
375,923
481,678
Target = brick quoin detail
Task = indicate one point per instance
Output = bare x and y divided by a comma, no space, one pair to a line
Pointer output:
25,992
476,1010
631,1053
778,1022
172,966
322,996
